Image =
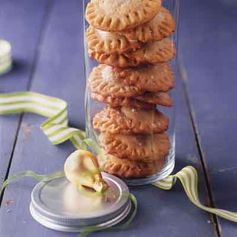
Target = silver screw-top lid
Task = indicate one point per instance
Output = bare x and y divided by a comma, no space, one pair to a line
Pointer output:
59,205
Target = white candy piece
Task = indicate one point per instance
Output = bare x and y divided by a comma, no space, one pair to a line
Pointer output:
82,169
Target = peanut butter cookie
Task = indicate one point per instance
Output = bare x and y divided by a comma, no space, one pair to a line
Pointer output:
142,147
105,80
118,15
159,98
129,120
131,169
146,101
108,42
151,53
101,81
161,26
150,78
122,101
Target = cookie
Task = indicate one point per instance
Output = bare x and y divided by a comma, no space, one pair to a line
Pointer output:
161,26
151,78
126,168
122,101
151,53
154,52
159,98
129,120
142,147
118,15
145,101
108,42
101,81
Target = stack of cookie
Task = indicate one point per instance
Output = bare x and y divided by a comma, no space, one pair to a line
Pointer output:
130,40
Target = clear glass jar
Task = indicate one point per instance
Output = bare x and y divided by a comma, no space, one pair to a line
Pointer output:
158,170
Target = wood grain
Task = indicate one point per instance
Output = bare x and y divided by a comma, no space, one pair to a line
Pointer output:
59,72
208,38
21,24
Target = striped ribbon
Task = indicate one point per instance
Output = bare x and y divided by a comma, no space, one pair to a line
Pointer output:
57,130
32,174
189,179
56,126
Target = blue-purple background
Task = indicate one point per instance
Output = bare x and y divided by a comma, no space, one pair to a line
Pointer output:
47,42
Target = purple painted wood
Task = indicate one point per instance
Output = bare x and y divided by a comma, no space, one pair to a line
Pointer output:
59,73
208,37
20,23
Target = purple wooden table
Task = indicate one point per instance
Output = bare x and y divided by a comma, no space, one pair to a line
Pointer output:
48,51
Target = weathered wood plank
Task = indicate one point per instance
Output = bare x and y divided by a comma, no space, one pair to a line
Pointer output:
59,73
20,23
208,38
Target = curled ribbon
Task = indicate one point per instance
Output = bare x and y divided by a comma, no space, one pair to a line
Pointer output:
56,126
57,130
188,177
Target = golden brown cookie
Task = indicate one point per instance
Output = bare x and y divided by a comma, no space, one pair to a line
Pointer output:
101,81
151,53
122,101
106,80
152,78
108,42
141,147
159,98
161,26
154,52
129,120
147,100
125,168
118,15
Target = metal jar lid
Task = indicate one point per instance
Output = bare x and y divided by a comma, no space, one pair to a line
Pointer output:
59,205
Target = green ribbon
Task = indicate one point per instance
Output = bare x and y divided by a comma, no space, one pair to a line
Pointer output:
188,177
48,177
32,174
56,126
57,130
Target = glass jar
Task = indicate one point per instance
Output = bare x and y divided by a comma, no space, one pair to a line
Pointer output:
122,112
